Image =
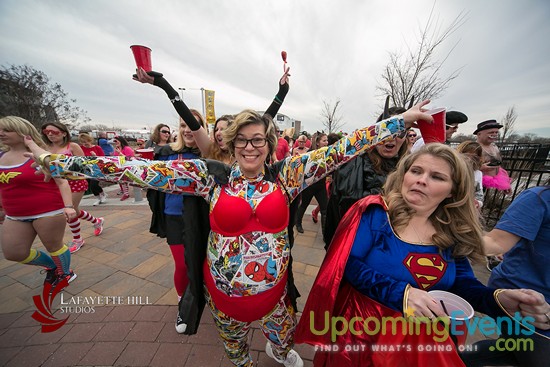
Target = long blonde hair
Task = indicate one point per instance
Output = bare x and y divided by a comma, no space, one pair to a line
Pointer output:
84,138
455,219
179,144
23,128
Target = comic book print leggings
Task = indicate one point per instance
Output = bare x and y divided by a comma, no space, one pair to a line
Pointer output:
278,327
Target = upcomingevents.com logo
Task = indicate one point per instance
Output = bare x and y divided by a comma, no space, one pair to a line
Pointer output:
43,303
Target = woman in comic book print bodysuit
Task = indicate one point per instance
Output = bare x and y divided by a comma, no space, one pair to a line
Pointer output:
248,252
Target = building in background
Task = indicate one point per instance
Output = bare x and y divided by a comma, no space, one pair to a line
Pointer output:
285,122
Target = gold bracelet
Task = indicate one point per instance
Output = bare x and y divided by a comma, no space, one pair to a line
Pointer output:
406,299
41,158
495,295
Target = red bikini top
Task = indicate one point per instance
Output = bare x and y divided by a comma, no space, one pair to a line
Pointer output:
233,216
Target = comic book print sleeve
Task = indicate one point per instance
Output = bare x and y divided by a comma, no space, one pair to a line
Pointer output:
189,176
372,283
299,172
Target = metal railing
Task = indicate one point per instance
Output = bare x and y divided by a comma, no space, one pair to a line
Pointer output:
528,165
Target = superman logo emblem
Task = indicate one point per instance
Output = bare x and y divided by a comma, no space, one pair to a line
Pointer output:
426,269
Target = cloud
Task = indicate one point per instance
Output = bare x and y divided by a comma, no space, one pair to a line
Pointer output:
336,50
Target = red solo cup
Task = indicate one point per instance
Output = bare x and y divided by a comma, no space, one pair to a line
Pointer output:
142,55
434,132
459,311
146,153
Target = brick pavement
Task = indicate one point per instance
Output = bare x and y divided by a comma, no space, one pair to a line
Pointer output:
126,261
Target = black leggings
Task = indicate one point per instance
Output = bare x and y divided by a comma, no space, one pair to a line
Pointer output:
94,187
318,190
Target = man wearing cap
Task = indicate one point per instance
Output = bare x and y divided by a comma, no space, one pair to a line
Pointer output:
452,120
494,176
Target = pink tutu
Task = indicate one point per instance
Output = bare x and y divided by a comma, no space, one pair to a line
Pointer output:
500,182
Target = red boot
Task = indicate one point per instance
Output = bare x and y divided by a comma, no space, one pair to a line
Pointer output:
315,214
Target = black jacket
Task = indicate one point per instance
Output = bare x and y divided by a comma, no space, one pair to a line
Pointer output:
351,182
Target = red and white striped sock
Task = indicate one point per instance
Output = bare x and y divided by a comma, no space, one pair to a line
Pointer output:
125,188
87,216
74,225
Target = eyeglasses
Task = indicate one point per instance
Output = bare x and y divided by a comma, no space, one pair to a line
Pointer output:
412,135
402,134
51,132
165,131
449,127
256,142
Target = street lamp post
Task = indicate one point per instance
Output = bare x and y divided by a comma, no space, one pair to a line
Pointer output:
202,96
203,110
182,89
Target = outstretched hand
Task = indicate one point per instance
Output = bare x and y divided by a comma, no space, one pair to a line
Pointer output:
142,76
415,113
529,303
35,153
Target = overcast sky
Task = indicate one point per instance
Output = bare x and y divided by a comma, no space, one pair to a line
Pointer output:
336,50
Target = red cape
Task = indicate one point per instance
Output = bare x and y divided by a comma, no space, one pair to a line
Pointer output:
331,297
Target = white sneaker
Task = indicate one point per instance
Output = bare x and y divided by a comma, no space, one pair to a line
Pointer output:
101,199
292,358
180,325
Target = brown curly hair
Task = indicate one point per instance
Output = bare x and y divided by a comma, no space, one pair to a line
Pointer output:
215,151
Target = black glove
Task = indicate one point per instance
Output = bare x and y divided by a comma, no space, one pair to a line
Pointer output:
151,73
181,108
278,100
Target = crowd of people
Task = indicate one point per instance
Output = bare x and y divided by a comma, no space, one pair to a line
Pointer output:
228,200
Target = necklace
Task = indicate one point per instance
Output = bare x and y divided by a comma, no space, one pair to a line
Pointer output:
417,235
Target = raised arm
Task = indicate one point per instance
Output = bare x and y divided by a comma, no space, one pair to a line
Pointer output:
301,171
199,132
190,176
280,96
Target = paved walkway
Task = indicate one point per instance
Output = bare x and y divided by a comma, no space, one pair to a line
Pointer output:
133,268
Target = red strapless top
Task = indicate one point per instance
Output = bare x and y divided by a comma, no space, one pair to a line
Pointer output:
233,216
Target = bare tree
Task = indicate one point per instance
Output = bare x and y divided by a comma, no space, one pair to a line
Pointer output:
416,73
508,122
92,127
331,118
28,93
